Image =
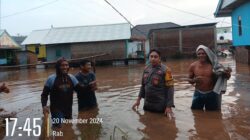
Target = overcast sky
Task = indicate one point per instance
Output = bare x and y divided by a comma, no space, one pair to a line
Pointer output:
23,16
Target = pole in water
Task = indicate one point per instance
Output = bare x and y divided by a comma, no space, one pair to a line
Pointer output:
46,119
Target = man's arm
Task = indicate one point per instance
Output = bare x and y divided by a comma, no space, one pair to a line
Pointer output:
46,91
78,87
44,96
93,84
191,74
169,83
141,95
44,99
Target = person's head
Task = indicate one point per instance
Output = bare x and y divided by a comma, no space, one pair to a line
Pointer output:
85,66
154,57
62,66
202,56
201,53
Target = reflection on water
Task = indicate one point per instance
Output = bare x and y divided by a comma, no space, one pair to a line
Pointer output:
118,89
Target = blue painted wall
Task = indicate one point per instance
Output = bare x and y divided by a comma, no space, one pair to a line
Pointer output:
52,52
244,12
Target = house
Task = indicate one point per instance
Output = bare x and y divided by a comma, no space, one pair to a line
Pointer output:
239,11
81,41
183,40
19,40
24,57
224,38
8,47
140,35
224,33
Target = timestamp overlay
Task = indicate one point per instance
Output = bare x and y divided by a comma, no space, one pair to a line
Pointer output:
36,128
29,127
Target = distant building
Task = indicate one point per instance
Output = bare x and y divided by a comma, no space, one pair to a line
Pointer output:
224,38
224,33
183,40
82,41
7,49
140,34
239,11
19,40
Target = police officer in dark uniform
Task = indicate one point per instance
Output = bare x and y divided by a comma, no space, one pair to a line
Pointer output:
157,86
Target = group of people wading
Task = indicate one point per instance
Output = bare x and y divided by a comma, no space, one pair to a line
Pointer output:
157,86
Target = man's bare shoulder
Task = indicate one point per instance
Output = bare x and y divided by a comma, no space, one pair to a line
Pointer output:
192,65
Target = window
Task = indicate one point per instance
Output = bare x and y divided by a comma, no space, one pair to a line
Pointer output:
37,50
58,53
221,37
239,25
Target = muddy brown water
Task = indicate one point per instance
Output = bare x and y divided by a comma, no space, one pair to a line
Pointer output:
118,89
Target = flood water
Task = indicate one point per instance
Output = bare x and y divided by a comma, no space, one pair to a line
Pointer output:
118,88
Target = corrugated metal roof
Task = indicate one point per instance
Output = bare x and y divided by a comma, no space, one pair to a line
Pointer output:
80,34
36,37
1,32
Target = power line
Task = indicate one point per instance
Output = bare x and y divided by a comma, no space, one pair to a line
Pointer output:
119,12
124,17
187,12
183,11
28,10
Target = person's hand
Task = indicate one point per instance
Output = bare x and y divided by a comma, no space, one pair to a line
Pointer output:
93,85
168,112
195,80
228,72
45,110
4,88
136,105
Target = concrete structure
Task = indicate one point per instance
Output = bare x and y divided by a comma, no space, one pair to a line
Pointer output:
239,11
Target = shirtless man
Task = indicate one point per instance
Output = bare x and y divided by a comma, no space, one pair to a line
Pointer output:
202,77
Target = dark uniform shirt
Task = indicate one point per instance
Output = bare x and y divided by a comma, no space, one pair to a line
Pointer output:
86,98
157,88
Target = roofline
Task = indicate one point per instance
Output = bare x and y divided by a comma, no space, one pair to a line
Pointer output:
227,10
155,23
10,48
80,26
225,27
218,7
75,42
4,31
79,42
185,26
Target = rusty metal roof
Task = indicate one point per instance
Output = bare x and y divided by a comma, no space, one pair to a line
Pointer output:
144,29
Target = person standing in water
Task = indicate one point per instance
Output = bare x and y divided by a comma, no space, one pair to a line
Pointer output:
209,78
86,98
157,87
60,87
